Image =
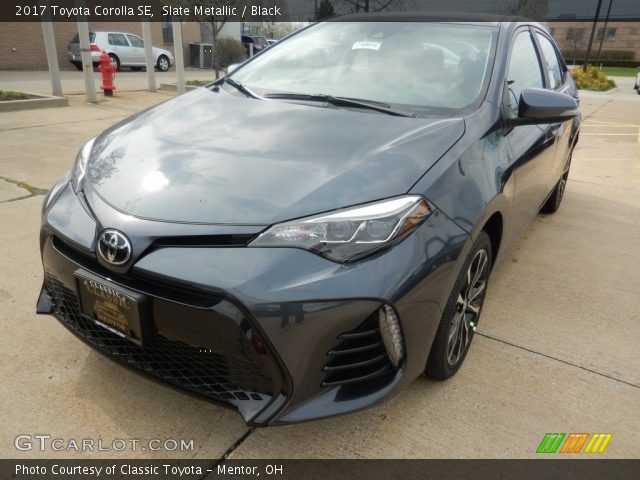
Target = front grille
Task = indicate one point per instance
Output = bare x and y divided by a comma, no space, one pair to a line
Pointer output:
230,379
359,356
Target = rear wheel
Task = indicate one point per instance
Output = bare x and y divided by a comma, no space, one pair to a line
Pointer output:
78,65
163,63
462,312
553,202
115,61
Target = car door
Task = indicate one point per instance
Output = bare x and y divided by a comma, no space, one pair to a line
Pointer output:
119,45
137,49
530,149
560,81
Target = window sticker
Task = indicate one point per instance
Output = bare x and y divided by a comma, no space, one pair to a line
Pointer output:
366,46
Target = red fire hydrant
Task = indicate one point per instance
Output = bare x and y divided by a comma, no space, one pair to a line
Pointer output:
107,69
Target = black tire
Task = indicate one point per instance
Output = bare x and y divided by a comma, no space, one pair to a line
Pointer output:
162,64
555,199
115,60
457,326
78,65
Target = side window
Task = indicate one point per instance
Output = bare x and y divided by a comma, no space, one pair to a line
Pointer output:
551,60
135,41
524,70
118,39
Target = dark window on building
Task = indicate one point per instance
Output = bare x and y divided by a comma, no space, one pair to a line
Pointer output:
167,30
609,35
575,34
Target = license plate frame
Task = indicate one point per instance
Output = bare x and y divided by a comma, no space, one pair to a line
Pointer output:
112,307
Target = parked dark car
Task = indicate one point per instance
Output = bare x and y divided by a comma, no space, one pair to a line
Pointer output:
315,230
124,50
259,43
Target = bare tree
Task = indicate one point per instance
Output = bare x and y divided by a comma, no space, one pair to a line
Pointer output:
213,22
277,30
373,5
324,10
533,9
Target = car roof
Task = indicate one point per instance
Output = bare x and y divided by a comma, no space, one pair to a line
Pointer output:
114,31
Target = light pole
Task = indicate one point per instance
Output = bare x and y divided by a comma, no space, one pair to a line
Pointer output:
593,31
604,29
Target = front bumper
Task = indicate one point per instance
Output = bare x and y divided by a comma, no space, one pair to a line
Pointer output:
281,335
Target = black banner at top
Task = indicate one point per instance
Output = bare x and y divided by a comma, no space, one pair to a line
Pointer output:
310,10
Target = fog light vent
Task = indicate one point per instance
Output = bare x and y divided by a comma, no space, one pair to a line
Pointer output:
390,333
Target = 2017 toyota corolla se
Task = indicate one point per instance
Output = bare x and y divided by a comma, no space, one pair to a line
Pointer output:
318,228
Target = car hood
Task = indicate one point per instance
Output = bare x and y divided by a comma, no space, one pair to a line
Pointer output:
208,157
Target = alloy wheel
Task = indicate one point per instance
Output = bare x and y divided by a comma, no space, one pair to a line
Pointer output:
468,305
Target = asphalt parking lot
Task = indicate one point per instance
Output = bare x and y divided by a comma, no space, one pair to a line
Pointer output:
557,349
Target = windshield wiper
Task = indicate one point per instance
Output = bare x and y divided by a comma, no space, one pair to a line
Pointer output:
341,102
240,87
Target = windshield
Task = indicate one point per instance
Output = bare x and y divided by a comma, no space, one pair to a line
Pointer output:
405,64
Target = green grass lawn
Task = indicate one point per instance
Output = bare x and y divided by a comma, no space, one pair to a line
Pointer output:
620,71
10,95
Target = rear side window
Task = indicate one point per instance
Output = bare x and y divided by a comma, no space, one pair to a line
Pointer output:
76,39
551,61
118,39
135,41
524,70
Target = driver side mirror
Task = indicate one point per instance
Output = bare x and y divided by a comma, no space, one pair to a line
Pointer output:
538,105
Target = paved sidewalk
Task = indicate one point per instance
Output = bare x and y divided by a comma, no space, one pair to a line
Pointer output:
73,81
557,349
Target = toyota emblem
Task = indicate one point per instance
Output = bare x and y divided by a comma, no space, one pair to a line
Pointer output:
114,247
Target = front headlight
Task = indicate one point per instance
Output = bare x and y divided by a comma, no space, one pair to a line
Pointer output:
80,167
352,233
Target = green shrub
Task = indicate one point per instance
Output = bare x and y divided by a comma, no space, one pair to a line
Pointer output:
592,79
228,52
198,83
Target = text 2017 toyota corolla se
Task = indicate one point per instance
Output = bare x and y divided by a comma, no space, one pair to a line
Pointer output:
310,233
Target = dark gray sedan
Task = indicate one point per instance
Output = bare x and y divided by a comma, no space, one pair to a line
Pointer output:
318,228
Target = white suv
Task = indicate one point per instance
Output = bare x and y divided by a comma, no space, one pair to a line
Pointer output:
125,50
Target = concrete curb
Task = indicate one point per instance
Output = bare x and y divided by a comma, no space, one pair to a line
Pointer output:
40,101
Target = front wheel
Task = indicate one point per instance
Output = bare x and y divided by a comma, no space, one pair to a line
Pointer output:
462,312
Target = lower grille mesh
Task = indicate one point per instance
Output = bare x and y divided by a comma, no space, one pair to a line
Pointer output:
218,377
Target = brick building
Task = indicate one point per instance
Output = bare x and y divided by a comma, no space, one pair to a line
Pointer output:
22,43
623,38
